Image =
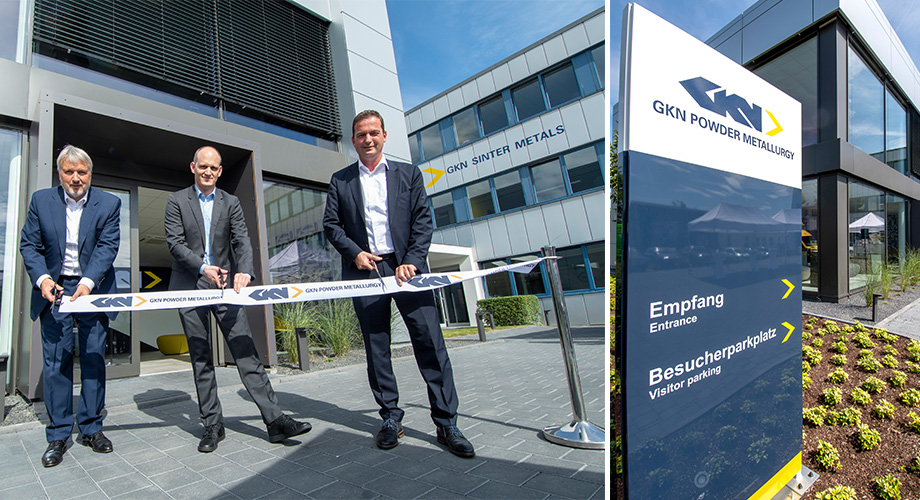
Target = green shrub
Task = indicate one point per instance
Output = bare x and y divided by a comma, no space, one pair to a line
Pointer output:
859,327
860,397
867,438
868,364
806,336
838,492
838,359
817,342
913,422
883,409
839,347
915,464
914,356
873,385
832,396
289,317
513,310
889,349
806,382
864,353
811,355
889,361
913,346
846,416
913,367
910,397
805,366
897,379
888,487
862,340
837,376
814,416
337,325
831,326
827,456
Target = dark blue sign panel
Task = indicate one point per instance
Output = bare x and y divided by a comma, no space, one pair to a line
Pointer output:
712,349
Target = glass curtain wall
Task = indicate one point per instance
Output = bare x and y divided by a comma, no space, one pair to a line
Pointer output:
10,157
810,235
867,242
895,134
865,107
796,73
896,225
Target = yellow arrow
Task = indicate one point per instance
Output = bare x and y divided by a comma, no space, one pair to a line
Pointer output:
791,287
791,329
778,128
436,173
156,279
299,291
141,299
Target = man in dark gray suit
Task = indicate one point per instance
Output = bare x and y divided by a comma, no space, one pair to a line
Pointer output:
377,217
207,236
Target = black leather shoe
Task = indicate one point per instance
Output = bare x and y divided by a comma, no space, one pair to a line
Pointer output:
54,454
285,427
389,434
213,434
455,442
98,442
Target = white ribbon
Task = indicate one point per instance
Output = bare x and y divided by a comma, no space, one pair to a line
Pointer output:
277,294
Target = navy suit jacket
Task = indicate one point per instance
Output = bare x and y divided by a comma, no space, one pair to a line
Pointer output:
407,211
44,237
230,245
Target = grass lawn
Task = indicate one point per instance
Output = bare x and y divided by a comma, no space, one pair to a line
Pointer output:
460,332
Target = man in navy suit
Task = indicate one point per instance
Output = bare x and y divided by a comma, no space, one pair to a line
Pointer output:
377,217
69,242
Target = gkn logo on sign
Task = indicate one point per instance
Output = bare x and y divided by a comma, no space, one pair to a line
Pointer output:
722,104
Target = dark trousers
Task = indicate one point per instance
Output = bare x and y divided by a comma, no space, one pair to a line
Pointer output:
421,316
57,369
233,324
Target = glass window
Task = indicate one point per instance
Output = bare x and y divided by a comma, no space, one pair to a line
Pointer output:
810,235
528,100
9,29
895,134
561,85
796,73
465,126
598,55
480,197
413,149
444,213
584,169
530,283
509,190
572,269
896,228
595,253
547,181
298,248
865,107
431,141
498,284
866,233
493,116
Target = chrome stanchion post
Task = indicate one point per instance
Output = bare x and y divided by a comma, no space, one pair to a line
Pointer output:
579,433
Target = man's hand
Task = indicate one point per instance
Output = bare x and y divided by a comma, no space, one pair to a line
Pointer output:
216,275
81,291
240,280
404,273
50,290
366,261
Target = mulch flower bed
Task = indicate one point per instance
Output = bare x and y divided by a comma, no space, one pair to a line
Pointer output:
899,444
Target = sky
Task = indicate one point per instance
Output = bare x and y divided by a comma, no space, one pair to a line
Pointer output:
440,43
702,18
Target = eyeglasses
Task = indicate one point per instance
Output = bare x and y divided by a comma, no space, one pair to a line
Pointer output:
205,167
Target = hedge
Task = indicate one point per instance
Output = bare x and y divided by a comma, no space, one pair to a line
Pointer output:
514,310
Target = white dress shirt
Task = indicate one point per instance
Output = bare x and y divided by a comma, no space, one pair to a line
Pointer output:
71,266
374,189
207,207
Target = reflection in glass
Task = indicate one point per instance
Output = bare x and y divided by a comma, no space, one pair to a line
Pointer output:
810,235
598,55
480,197
584,169
595,253
431,141
297,248
865,107
895,134
796,73
572,270
465,126
866,233
493,116
509,190
498,284
443,205
413,149
896,228
547,181
561,85
528,100
118,343
9,29
528,283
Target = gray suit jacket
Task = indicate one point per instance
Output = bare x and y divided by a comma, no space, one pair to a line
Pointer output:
230,245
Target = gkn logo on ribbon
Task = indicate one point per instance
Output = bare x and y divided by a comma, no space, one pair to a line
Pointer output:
713,98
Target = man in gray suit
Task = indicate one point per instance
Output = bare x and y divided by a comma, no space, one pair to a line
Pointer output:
207,236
